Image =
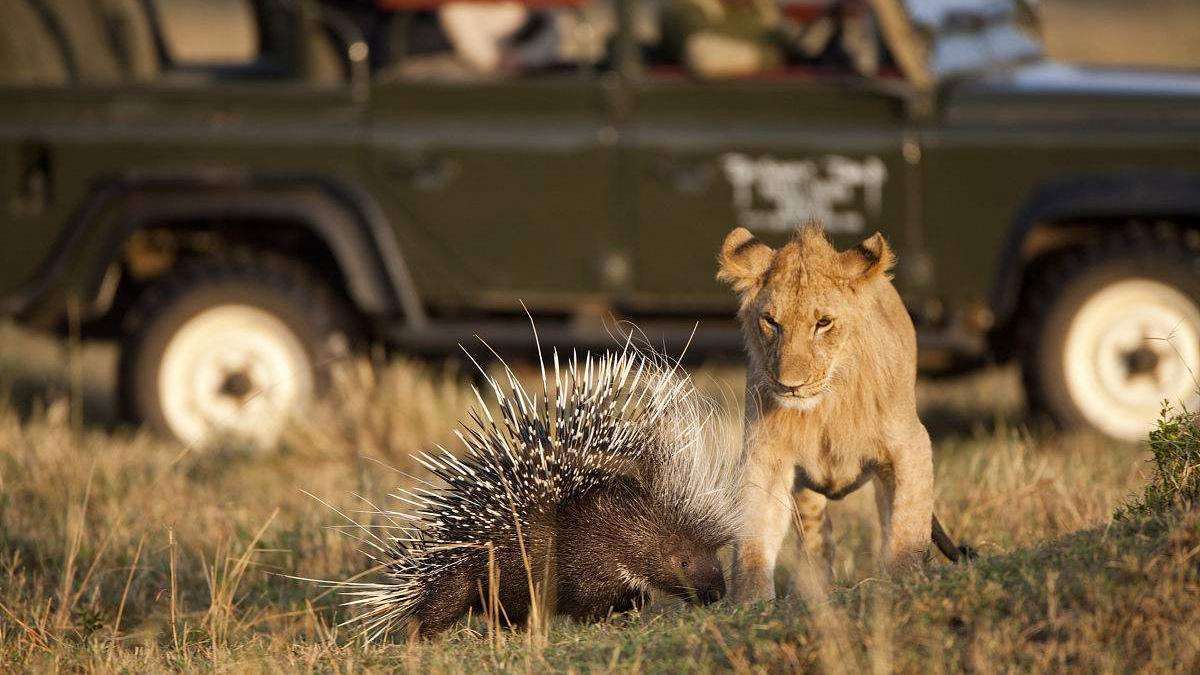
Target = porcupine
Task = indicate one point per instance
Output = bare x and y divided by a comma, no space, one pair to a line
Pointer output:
606,488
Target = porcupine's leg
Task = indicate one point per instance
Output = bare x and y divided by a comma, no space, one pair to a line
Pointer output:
905,498
449,598
588,613
466,589
816,531
766,515
630,602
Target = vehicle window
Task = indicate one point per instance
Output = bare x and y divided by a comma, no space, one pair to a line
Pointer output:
456,40
30,54
746,38
254,39
208,32
65,42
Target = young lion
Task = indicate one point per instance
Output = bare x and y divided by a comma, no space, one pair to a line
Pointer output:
830,400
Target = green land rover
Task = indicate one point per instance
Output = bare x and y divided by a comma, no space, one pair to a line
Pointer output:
237,219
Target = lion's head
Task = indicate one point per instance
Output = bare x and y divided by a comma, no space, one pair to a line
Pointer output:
802,305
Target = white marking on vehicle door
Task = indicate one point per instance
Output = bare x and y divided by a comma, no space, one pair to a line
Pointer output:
772,195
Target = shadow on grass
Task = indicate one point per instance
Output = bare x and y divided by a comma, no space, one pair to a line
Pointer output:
945,423
981,402
31,394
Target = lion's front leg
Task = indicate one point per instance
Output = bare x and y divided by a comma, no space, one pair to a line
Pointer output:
816,532
905,499
766,514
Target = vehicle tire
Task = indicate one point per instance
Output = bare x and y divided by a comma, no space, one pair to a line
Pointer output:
1113,330
229,347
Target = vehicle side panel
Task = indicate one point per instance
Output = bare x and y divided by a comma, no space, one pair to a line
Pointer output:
765,154
498,191
95,136
994,154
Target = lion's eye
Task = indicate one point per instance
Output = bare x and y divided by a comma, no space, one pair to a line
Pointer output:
823,323
769,325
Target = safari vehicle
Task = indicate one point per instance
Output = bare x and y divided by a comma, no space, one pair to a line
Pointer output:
236,222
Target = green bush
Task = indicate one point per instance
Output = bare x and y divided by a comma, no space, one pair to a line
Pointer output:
1175,445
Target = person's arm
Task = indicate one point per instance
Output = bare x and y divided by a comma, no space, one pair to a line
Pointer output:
711,55
721,42
478,30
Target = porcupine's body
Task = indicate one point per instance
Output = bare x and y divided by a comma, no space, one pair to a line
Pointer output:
581,551
586,499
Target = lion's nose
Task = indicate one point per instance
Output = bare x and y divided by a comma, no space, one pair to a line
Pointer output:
801,386
789,388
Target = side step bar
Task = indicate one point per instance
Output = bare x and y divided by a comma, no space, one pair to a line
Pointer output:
712,338
517,337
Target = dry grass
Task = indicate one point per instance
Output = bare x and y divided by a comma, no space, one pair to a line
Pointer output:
119,551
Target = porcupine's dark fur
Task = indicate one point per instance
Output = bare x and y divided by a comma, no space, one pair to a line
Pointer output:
600,491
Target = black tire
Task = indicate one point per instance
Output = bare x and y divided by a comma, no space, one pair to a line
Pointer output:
1060,291
296,301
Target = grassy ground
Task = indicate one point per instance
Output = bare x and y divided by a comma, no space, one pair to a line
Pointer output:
119,551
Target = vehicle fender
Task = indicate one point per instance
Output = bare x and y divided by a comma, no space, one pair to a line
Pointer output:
347,221
1113,197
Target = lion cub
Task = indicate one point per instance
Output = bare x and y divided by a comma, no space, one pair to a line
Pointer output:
830,400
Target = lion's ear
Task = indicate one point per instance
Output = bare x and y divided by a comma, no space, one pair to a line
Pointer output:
870,259
743,260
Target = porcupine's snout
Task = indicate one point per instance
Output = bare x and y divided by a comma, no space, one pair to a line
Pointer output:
709,582
695,577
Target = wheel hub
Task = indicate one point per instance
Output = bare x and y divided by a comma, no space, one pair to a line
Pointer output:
1130,346
1141,362
233,369
237,385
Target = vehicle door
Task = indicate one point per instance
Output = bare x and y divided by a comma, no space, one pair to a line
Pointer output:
767,152
31,60
500,182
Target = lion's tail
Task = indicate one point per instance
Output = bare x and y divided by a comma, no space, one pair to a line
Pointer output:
947,546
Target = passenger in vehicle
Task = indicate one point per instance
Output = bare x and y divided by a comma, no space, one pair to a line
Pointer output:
589,30
739,38
485,39
844,36
723,38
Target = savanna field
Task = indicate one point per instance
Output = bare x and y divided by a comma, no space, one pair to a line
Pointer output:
123,552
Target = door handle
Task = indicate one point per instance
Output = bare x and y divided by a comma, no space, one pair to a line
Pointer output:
687,177
34,187
427,174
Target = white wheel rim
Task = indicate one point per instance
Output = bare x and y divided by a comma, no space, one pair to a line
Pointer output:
233,370
1131,346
